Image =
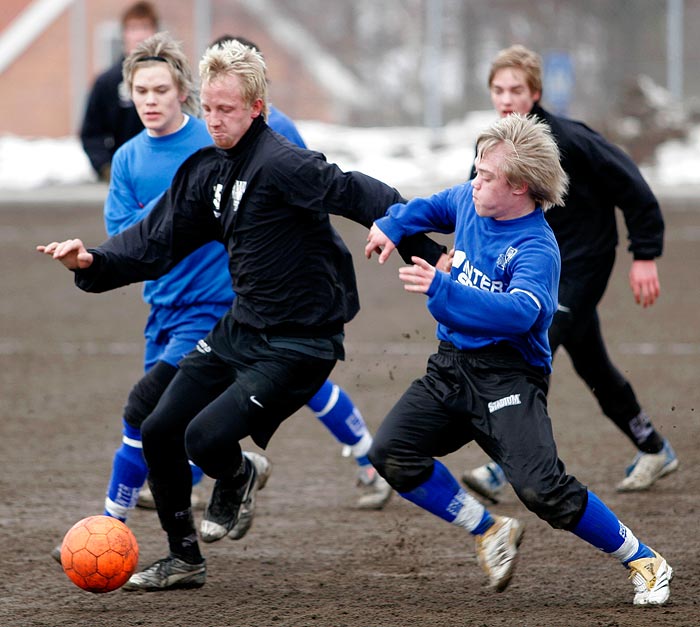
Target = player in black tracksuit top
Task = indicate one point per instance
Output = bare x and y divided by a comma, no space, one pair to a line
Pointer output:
110,120
601,177
268,201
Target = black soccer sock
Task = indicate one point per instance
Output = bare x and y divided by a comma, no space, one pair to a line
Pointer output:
642,433
240,478
186,548
182,537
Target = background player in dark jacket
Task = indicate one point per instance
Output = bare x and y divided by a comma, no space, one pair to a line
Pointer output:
602,177
268,202
110,116
487,383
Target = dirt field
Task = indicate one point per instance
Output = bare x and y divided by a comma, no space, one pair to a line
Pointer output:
68,359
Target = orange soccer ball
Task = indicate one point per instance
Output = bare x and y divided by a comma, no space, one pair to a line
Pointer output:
99,553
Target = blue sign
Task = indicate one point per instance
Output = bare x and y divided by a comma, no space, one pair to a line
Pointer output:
558,81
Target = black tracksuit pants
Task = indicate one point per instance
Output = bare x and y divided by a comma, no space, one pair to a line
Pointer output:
495,398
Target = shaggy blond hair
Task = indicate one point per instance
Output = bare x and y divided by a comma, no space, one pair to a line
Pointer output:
162,48
233,58
519,58
533,158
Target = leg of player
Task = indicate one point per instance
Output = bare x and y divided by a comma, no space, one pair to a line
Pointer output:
654,457
487,480
129,472
497,537
199,499
519,436
649,571
129,468
334,408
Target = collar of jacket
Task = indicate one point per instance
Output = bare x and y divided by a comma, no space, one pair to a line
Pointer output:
244,143
538,111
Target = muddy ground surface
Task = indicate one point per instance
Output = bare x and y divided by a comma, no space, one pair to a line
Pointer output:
68,360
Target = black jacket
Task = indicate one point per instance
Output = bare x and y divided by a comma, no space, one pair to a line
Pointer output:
110,118
268,202
601,177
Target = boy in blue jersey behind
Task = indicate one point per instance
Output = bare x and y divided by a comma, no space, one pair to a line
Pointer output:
186,302
488,381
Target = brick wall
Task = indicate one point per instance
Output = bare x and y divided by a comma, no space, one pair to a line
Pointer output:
38,88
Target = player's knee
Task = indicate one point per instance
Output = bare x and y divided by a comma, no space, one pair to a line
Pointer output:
559,507
392,466
144,396
198,445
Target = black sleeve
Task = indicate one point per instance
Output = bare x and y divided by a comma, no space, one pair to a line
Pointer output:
140,253
626,187
173,229
317,184
420,245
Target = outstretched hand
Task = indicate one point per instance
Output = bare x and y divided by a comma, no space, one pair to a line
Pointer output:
418,277
71,253
644,282
378,243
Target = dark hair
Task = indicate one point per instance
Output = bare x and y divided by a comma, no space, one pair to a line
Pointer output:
244,40
141,11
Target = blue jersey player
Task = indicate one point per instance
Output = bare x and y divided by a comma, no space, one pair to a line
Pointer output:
601,178
488,381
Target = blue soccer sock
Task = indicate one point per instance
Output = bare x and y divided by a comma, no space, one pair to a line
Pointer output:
442,496
128,474
197,474
334,408
600,527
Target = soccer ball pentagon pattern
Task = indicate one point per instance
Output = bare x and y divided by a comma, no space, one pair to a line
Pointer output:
99,553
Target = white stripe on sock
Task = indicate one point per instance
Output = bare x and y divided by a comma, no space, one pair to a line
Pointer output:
362,446
116,510
470,513
335,393
131,442
629,547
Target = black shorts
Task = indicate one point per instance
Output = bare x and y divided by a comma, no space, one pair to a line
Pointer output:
252,380
214,402
491,396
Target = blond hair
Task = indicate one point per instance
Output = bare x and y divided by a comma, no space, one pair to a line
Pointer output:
520,58
533,158
233,58
162,48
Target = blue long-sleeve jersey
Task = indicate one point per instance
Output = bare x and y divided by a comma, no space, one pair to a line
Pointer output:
142,169
505,274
